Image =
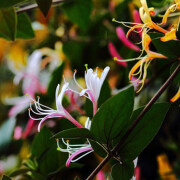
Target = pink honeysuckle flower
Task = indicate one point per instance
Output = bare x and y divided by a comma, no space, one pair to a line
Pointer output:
17,132
137,19
113,52
93,85
100,176
75,150
135,82
122,36
135,164
137,173
28,128
48,112
31,84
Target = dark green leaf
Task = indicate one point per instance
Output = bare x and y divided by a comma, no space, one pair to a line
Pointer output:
74,133
88,106
98,148
79,12
56,78
113,116
8,23
24,28
144,131
42,142
169,48
9,3
19,172
6,177
44,6
122,171
105,93
6,132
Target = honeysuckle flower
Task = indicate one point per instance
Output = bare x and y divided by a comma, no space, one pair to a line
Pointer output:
140,68
75,150
176,96
100,176
172,8
113,52
137,20
93,85
47,112
121,35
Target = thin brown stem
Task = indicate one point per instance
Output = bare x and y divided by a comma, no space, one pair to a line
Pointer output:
143,112
33,6
99,167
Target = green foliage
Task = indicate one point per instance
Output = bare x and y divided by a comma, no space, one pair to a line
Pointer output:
42,148
112,116
79,12
6,132
19,172
10,3
105,93
74,133
55,79
8,23
177,78
6,177
144,131
44,6
169,48
122,171
24,28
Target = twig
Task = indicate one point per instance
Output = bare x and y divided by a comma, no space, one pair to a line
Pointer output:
147,107
33,6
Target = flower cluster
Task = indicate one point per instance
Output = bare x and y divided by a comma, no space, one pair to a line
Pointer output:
92,91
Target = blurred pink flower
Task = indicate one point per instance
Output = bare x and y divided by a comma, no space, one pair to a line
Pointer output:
122,36
137,19
113,52
17,132
100,176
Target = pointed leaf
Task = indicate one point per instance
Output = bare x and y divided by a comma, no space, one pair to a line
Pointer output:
8,23
74,133
122,171
24,28
144,131
113,115
44,6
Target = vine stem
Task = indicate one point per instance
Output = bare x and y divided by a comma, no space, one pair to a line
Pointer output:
33,6
143,112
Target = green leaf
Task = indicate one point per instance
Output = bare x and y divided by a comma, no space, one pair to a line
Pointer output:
24,28
113,115
8,23
44,6
88,106
6,132
105,93
169,48
56,78
42,142
74,133
144,131
122,171
19,172
9,3
45,149
79,12
6,177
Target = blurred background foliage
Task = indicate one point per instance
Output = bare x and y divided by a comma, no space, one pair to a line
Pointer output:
75,32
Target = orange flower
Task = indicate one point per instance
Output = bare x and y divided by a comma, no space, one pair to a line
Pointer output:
176,96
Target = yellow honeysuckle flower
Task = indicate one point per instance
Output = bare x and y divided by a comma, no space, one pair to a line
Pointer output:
169,36
176,96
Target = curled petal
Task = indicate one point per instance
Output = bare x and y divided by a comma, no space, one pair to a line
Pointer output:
176,97
77,153
47,117
121,35
169,36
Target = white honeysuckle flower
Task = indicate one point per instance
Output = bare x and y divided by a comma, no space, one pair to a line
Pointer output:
74,150
93,85
48,112
88,123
